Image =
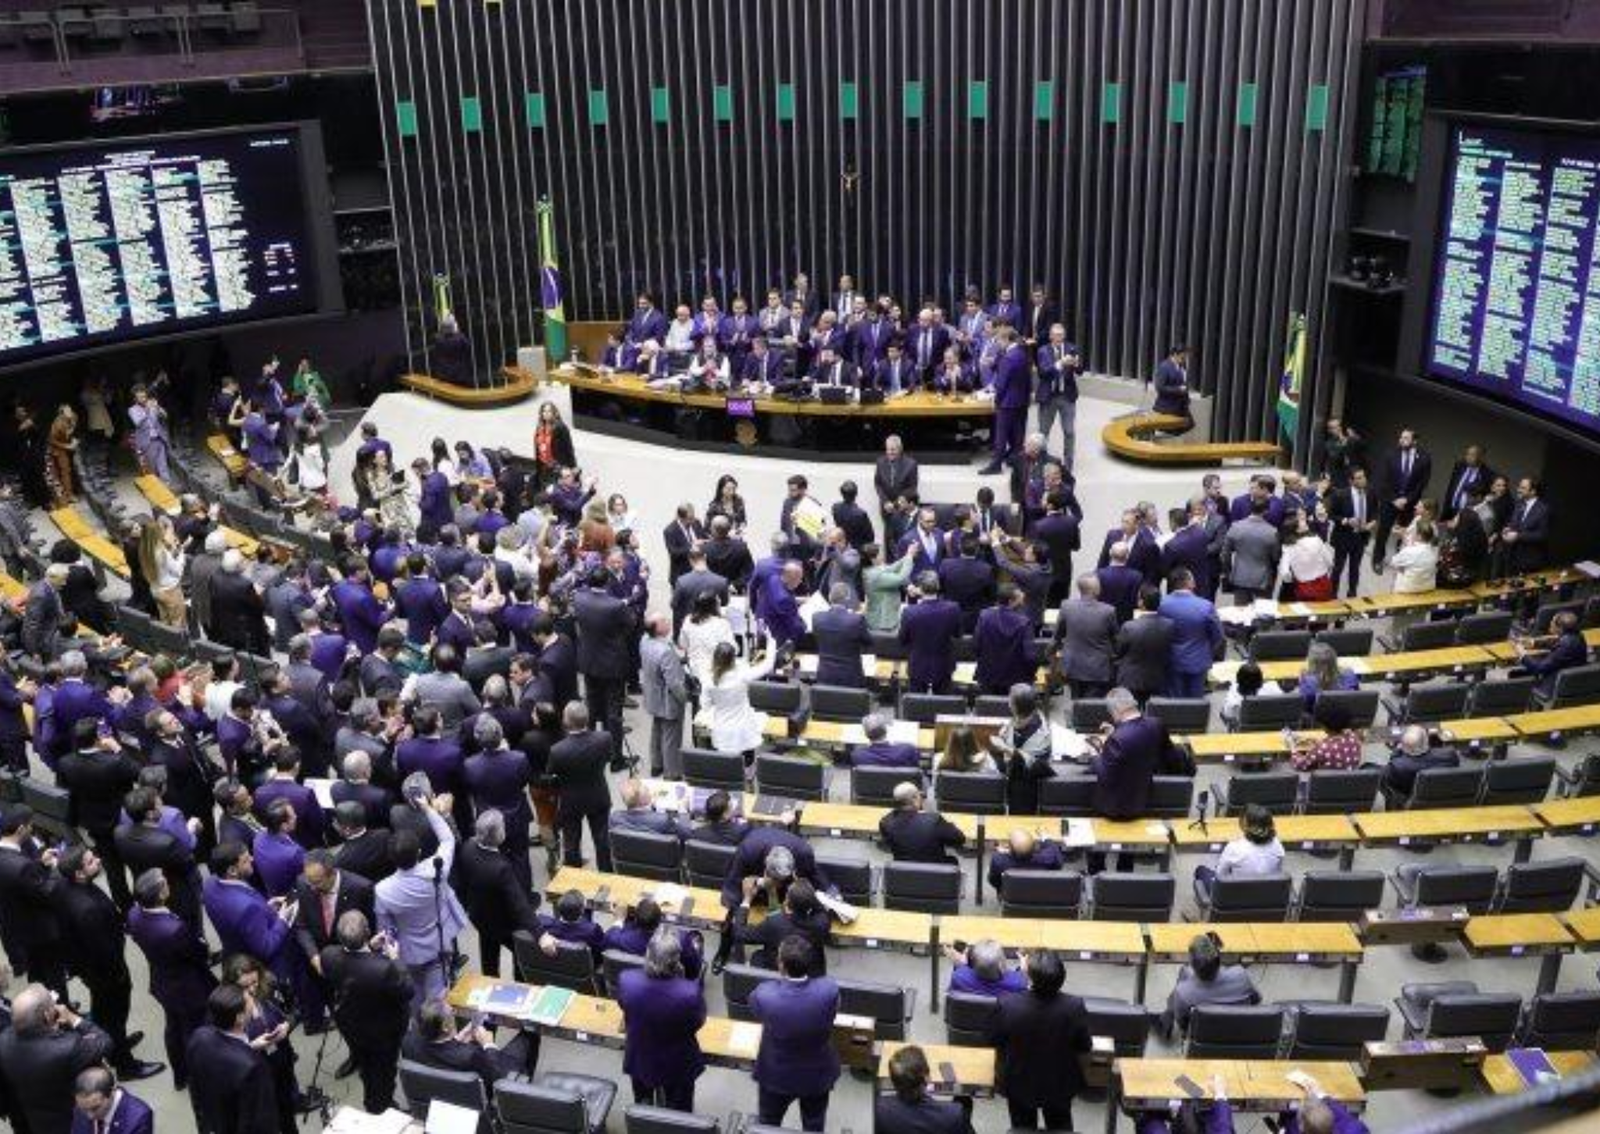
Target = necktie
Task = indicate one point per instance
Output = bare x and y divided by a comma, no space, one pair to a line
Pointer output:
1405,465
926,348
327,913
1359,500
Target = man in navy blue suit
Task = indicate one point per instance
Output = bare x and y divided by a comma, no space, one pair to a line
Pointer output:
926,343
1172,387
911,1109
1263,486
1527,533
1120,583
1569,650
928,630
1189,547
1013,384
176,954
966,579
879,751
663,1011
797,1060
1004,644
102,1107
842,638
1406,473
1059,363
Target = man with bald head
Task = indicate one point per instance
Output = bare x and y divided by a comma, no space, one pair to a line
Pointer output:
913,834
1023,851
47,1046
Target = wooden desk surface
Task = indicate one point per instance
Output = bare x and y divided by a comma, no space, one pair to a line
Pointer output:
918,403
1580,718
955,1070
997,828
1448,824
883,670
1579,815
1477,730
1501,1077
1169,941
839,734
841,820
1585,927
1226,747
1516,935
232,460
1548,579
967,674
620,892
1258,1085
1294,942
1121,941
1130,437
1390,602
1302,832
1450,659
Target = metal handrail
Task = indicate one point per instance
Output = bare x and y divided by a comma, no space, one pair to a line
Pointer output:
181,25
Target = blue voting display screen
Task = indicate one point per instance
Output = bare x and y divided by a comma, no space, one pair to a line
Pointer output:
1515,310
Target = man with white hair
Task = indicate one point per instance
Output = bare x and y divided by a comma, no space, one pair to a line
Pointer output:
879,751
496,901
203,569
915,835
1085,639
43,612
1414,753
238,614
982,970
639,813
41,1055
664,692
895,475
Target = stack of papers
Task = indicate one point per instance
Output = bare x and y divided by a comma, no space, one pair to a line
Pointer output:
1067,745
669,894
354,1120
838,907
550,1005
904,732
509,1000
744,1039
1078,833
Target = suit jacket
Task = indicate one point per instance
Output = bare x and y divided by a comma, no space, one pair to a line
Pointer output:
920,836
1172,389
1530,550
1196,631
177,957
679,542
1058,378
375,800
796,1056
969,583
1045,856
406,907
1413,487
852,519
1342,511
243,920
360,613
97,780
730,559
1240,509
438,757
1402,770
1086,634
1144,651
1004,644
230,1085
1188,547
928,630
238,614
690,585
1569,650
842,638
1250,554
39,1071
367,854
558,664
41,621
885,754
893,479
144,848
132,1116
371,997
1462,477
1135,752
605,626
314,935
751,856
578,764
1038,1040
92,933
771,931
1119,589
928,1115
1059,533
495,900
422,603
663,1019
1013,379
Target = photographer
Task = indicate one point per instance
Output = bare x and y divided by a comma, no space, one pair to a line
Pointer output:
416,906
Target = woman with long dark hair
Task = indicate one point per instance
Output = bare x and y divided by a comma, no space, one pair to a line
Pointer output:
552,445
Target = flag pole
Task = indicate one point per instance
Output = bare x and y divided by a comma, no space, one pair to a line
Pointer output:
550,289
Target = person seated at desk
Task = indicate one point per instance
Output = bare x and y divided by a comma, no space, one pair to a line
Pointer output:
834,371
572,923
879,751
1256,851
1023,748
911,1109
981,969
952,375
1338,750
1024,851
893,373
633,933
962,753
915,835
1318,1114
1568,650
437,1042
1415,753
710,366
639,813
767,862
671,354
763,367
1206,980
1323,672
1248,680
800,915
720,826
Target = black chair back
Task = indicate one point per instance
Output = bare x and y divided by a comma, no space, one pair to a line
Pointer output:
1171,797
974,793
1469,886
706,864
1267,712
922,887
554,1103
1492,1017
1526,779
659,1120
1234,1031
874,787
927,708
1278,792
1041,893
969,1019
777,697
1067,795
839,703
1361,704
1500,697
1337,792
1577,686
991,705
613,963
1279,645
1433,634
1127,1025
707,768
1562,1021
1339,895
853,876
1445,787
1429,704
646,854
792,777
52,809
1249,897
738,982
1089,713
1181,715
1132,897
1484,627
1335,1031
1347,643
422,1084
572,965
889,1005
1550,886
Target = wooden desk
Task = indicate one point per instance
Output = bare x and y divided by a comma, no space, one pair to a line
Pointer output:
1414,664
955,1070
1577,816
163,499
1296,832
95,545
518,385
997,828
841,820
839,734
1252,1085
1242,747
1540,935
1447,825
882,671
1585,927
234,461
917,404
1129,437
1501,1077
617,893
1472,732
966,676
1111,942
1551,723
1390,603
1548,580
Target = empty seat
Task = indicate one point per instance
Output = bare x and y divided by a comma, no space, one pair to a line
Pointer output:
1470,886
1501,697
889,1005
1360,704
886,644
572,965
1234,1031
1268,712
639,1119
613,963
922,887
1347,642
1339,895
1577,686
792,777
1438,787
838,703
926,708
976,793
706,864
1430,704
1562,1021
1523,780
1429,635
1334,1031
1089,713
874,787
1279,645
646,854
1171,797
738,982
1340,791
1126,1025
991,705
1541,887
1448,1009
1067,795
1483,627
776,697
1181,715
1247,897
422,1084
1041,893
969,1019
853,877
1278,792
1132,897
557,1102
705,768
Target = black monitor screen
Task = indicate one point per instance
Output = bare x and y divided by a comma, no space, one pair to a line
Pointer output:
1515,310
117,241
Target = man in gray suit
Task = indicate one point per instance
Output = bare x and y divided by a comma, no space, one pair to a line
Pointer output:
664,695
1206,980
1250,555
444,689
203,569
1086,632
692,584
895,475
41,616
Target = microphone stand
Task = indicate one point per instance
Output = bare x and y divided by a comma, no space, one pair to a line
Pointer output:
448,968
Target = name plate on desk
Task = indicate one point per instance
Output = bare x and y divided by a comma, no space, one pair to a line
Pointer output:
1412,926
1422,1064
852,1039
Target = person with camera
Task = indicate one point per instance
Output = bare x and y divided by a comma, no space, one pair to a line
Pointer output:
415,905
371,1003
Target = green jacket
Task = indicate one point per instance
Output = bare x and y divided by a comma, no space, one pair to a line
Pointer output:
883,586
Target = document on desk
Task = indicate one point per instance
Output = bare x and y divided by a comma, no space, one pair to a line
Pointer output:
904,732
550,1006
509,1000
1067,745
448,1118
354,1120
1078,833
744,1039
669,895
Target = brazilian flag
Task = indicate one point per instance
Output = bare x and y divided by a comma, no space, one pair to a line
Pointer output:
1294,367
550,291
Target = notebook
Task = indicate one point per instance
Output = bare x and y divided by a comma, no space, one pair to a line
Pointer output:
550,1005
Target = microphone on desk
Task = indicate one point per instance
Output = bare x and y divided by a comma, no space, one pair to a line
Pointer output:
1202,807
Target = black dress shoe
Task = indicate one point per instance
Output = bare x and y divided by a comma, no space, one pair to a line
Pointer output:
989,470
136,1069
135,1039
346,1069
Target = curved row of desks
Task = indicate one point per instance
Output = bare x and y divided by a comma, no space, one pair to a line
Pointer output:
1130,438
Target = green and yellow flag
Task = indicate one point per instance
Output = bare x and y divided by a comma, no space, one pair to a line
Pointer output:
1294,366
555,316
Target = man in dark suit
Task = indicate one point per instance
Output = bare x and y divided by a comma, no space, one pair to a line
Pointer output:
94,941
102,1107
1135,750
928,630
1039,1037
692,583
796,1060
834,371
879,751
663,1010
851,518
322,895
720,826
605,630
238,614
1003,643
43,612
496,901
436,1041
911,1109
1013,387
768,858
1038,317
925,542
145,845
895,475
1567,652
99,775
1406,471
681,536
189,773
557,660
915,835
1172,388
1189,546
578,766
989,517
356,785
1527,533
1058,531
1023,850
361,851
842,638
967,580
230,1082
1120,583
1058,364
1469,473
893,373
371,1004
177,957
1353,512
1144,648
727,556
1415,752
42,1054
